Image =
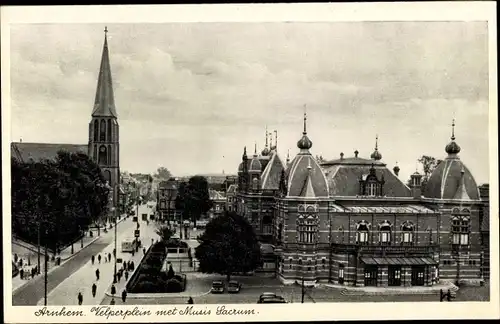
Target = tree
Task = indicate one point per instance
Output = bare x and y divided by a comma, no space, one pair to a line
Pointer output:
163,173
429,163
165,233
228,245
194,198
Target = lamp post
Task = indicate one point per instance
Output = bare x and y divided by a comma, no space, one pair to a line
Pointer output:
46,266
38,268
114,256
303,290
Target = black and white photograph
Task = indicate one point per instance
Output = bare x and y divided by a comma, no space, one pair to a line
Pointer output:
216,165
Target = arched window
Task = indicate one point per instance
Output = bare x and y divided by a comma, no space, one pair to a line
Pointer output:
96,130
307,229
290,260
110,161
385,232
362,230
103,155
255,183
407,229
300,262
266,225
102,134
109,130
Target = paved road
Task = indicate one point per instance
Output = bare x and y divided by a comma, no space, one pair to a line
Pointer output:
249,295
32,292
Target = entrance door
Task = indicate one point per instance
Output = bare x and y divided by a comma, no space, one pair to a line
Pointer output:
394,275
417,275
371,275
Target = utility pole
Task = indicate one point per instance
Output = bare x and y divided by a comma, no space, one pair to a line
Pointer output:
46,266
81,240
303,290
114,254
38,268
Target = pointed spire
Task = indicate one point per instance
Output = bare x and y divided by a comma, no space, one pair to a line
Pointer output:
255,150
452,148
104,104
453,130
270,140
376,154
308,189
267,134
305,120
288,156
265,151
276,139
304,144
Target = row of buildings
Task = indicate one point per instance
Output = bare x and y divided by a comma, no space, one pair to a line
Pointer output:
352,220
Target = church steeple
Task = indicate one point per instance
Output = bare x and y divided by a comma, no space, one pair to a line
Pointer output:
104,104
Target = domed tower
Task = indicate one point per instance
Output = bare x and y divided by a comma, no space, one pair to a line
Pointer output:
451,176
255,171
376,154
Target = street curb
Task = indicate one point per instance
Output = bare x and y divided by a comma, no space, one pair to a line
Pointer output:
81,249
383,291
160,295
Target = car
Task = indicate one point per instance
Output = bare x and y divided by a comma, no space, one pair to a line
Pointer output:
217,287
271,300
233,286
267,295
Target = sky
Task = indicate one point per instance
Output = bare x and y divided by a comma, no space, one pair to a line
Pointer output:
190,96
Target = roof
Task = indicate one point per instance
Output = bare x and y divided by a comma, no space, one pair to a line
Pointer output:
255,164
402,209
445,181
343,177
216,195
271,176
41,151
305,172
231,189
399,261
104,105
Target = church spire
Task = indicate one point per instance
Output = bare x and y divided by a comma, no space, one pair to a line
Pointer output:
104,105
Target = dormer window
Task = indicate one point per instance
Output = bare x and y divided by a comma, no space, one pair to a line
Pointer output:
370,185
371,189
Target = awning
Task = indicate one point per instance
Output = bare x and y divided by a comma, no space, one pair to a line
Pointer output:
398,261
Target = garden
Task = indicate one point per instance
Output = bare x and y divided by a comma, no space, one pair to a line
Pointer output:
151,278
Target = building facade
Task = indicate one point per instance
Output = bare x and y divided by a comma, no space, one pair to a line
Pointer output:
352,221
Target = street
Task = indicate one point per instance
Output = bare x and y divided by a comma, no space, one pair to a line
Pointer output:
78,274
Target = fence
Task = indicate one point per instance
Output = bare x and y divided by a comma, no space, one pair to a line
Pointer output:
184,265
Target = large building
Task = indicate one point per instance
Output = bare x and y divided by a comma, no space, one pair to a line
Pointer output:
103,138
352,221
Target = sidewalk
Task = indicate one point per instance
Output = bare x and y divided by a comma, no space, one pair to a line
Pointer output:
375,291
82,280
29,254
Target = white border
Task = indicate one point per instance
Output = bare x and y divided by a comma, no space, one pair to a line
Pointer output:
415,11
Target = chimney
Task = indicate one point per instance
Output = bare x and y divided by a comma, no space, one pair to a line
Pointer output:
416,185
341,155
356,153
21,140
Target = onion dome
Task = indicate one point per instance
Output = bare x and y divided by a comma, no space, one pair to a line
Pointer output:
452,147
451,179
255,164
376,154
304,144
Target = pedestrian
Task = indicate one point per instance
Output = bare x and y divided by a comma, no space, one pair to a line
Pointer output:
112,301
126,275
36,269
113,290
99,258
118,276
21,273
114,253
190,300
94,289
109,257
144,250
124,295
15,257
33,272
80,298
93,259
97,274
448,295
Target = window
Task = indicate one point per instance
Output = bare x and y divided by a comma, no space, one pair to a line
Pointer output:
362,230
103,155
407,232
102,129
371,189
307,229
385,232
109,130
267,225
460,230
96,130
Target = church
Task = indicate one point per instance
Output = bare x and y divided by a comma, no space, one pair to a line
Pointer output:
353,221
103,137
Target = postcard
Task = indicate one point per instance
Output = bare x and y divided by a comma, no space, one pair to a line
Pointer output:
192,163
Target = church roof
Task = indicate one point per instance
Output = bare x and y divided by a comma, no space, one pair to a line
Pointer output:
231,189
104,105
343,177
270,178
41,151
